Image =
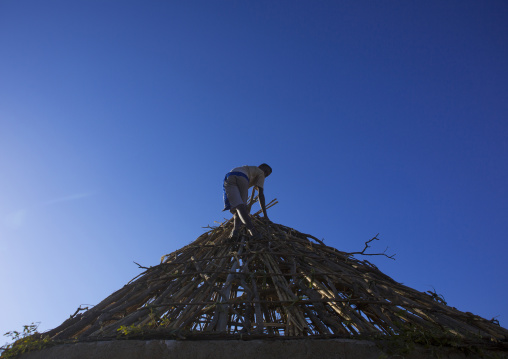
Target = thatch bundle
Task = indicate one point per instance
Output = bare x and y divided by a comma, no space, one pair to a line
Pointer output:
289,284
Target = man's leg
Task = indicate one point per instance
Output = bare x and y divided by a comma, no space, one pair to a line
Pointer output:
237,192
237,223
242,212
234,196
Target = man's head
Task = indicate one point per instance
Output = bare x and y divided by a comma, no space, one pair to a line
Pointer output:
266,169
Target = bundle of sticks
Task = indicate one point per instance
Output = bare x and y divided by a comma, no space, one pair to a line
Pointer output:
288,284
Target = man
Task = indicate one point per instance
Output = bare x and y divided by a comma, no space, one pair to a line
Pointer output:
236,187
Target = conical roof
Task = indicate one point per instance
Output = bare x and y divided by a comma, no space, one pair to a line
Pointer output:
288,284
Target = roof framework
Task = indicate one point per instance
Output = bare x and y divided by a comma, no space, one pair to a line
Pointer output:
289,284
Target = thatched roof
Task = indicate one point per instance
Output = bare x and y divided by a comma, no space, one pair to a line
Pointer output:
289,284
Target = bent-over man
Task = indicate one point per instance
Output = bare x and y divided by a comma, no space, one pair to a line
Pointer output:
236,187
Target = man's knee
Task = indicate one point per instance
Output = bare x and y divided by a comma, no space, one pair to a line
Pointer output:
242,207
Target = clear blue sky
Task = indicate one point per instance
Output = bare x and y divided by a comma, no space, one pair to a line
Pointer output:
119,119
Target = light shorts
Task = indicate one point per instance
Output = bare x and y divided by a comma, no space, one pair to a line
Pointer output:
237,190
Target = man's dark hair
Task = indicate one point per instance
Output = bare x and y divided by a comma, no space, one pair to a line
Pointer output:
265,166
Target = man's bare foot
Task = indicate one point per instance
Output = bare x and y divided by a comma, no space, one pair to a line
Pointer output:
255,234
233,236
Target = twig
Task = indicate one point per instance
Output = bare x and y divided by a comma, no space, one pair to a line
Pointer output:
78,310
373,254
140,266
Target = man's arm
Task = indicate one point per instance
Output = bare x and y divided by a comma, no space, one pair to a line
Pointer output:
262,201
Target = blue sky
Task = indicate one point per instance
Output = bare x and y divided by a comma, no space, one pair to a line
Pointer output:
119,119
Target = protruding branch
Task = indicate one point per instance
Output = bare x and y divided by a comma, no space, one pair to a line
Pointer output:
140,266
79,310
373,254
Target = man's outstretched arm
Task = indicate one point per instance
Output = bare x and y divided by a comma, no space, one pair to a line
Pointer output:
262,201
